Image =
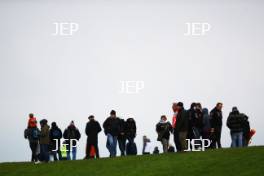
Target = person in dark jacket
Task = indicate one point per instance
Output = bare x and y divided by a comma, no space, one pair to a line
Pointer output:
71,134
191,115
44,141
112,129
206,125
55,136
216,125
182,126
164,128
92,130
246,130
33,135
121,138
197,123
235,122
130,129
174,122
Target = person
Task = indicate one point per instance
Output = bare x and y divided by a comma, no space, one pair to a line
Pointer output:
55,136
197,123
71,134
112,129
32,121
235,124
92,130
171,149
191,115
130,129
246,131
121,138
174,122
206,125
33,134
216,125
163,128
181,127
63,150
44,141
146,146
156,150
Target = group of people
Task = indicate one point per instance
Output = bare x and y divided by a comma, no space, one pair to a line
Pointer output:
198,123
194,123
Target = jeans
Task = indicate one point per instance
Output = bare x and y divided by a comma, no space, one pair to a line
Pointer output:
73,151
111,144
44,152
237,139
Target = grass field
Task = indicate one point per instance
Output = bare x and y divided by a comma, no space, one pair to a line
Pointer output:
227,162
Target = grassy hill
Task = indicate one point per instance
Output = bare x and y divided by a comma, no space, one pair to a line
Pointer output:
228,162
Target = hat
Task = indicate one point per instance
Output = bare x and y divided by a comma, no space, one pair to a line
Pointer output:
234,109
91,117
180,104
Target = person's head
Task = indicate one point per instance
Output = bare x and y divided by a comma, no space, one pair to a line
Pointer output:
199,106
53,125
31,115
91,117
113,113
219,106
235,110
43,122
174,107
205,111
163,118
193,106
72,125
180,106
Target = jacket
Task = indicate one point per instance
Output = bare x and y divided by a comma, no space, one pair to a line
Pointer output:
92,129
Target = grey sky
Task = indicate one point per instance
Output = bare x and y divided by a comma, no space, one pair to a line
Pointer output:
64,78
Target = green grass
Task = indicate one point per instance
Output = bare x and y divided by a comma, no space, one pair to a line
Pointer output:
227,162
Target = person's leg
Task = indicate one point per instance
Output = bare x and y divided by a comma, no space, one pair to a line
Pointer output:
109,144
240,139
233,138
121,146
177,141
97,151
74,153
114,145
88,150
68,152
182,136
218,141
164,143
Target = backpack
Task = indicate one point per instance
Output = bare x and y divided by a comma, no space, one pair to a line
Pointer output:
34,133
131,148
56,134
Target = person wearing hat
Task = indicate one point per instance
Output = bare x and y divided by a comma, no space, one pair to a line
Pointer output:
112,130
235,122
55,135
181,127
92,130
71,134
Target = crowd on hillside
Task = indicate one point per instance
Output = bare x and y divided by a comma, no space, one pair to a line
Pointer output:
194,123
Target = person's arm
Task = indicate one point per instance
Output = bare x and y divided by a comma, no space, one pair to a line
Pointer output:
87,129
99,127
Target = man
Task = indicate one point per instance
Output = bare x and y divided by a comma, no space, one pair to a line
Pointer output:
163,128
33,134
92,130
44,141
246,131
71,134
121,138
112,129
235,122
197,123
216,125
55,135
174,122
181,127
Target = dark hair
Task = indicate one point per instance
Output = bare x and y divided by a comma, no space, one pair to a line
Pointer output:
91,117
113,112
163,116
219,103
180,104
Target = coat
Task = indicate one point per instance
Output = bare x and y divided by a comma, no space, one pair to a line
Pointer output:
92,129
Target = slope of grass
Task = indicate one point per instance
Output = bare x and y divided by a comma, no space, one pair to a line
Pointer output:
228,162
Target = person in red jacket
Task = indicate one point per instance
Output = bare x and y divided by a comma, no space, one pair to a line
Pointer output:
32,121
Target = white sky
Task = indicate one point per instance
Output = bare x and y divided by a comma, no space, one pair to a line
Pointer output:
68,78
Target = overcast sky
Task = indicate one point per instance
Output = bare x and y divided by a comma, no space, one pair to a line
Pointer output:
64,78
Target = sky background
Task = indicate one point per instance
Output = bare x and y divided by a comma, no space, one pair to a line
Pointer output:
64,78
